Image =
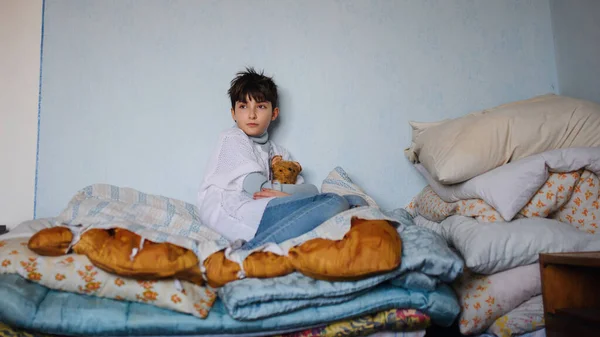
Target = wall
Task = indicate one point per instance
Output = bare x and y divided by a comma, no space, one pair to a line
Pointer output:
20,36
576,28
134,93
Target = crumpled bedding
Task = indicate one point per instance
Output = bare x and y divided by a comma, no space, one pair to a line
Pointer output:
106,208
133,234
509,188
552,200
129,233
500,221
572,198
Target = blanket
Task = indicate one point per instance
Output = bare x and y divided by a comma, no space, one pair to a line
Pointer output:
153,217
423,251
8,331
369,325
28,305
160,219
156,218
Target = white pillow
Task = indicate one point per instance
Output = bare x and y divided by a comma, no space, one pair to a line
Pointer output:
489,248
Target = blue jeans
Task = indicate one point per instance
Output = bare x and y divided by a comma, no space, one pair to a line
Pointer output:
289,217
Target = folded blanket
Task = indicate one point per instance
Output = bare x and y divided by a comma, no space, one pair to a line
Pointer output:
8,331
423,251
31,306
416,280
369,325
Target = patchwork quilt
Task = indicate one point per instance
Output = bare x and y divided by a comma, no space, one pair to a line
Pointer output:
389,320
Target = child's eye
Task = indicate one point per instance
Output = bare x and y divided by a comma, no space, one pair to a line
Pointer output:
242,106
262,106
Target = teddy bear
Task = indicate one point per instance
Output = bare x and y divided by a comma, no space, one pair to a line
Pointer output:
285,171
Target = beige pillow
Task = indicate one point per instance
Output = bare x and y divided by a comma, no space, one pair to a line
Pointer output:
459,149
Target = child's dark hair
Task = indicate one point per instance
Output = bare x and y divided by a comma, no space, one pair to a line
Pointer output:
256,86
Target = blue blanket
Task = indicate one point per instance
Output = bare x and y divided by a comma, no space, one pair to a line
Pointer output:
423,252
31,306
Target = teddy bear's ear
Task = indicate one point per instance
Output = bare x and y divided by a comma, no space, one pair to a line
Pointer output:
297,164
276,159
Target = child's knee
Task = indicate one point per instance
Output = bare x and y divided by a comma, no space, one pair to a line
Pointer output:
355,200
339,203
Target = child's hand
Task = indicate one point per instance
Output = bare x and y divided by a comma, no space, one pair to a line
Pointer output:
268,193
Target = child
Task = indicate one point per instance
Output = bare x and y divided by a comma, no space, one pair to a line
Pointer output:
237,197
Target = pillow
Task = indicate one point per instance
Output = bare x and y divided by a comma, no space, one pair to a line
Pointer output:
417,130
527,317
429,205
510,187
460,149
486,298
497,246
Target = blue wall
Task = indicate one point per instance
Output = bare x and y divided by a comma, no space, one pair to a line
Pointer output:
576,27
134,92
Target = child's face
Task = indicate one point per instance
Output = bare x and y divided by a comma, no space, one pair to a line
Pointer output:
254,117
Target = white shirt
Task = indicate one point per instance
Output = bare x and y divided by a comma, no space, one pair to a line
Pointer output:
222,201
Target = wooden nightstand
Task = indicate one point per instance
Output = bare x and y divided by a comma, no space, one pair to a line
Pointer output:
571,293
